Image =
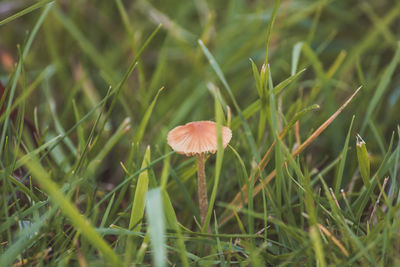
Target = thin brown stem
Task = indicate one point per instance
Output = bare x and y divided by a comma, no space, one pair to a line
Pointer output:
202,187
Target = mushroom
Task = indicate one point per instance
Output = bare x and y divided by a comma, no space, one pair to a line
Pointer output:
198,138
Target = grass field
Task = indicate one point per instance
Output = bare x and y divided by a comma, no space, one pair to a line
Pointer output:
90,90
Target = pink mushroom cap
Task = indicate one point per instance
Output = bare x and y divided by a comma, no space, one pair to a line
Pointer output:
197,137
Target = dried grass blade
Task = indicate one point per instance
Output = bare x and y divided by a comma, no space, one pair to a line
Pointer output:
227,215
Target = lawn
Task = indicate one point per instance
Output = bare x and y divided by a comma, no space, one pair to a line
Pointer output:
90,90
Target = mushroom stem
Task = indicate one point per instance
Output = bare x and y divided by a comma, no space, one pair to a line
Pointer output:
202,187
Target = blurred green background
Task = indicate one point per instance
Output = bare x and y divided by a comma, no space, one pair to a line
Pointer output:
82,48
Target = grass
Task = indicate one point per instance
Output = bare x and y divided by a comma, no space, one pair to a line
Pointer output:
89,91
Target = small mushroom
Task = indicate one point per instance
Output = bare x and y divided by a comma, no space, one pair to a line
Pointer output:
196,139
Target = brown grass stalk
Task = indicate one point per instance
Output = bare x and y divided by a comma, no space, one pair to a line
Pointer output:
227,215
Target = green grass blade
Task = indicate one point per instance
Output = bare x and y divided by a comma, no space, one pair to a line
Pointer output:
363,160
19,68
26,237
146,117
155,217
107,212
219,116
112,141
70,211
221,76
339,174
137,212
25,11
35,152
256,105
382,86
173,222
46,73
295,57
269,32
